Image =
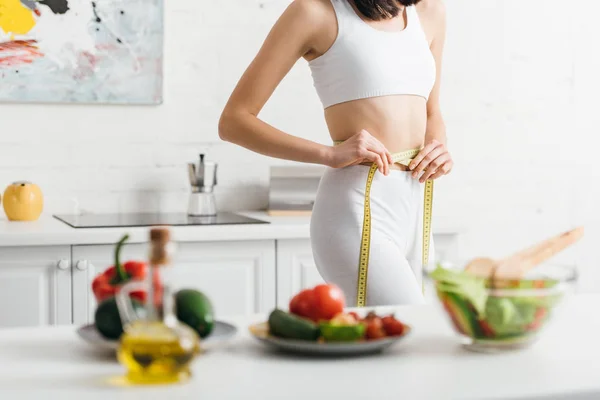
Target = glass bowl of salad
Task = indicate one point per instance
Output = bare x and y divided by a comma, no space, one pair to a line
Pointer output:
492,315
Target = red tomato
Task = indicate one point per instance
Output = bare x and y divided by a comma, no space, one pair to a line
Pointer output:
329,301
374,328
303,304
392,326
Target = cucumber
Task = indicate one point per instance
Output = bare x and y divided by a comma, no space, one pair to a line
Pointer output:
289,326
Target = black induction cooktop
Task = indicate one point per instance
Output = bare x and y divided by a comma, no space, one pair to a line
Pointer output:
151,219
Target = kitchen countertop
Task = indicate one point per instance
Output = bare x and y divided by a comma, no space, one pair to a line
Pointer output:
429,364
48,231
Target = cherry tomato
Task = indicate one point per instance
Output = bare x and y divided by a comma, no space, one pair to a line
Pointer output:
374,328
329,301
303,304
392,326
370,316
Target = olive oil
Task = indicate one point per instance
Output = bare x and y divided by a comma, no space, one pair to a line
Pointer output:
155,347
154,353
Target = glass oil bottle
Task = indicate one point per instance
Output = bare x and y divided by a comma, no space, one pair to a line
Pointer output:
155,347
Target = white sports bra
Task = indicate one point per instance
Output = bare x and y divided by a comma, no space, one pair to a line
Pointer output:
365,62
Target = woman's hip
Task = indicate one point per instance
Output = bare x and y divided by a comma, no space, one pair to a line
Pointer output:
340,201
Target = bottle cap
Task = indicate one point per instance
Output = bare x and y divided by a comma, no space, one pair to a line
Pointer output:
160,250
161,235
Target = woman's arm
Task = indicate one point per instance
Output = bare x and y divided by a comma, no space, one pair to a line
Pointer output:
297,32
434,160
436,129
288,41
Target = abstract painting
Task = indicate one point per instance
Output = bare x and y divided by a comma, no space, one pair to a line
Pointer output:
81,51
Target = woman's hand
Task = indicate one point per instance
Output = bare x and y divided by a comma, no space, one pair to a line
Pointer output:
433,161
360,148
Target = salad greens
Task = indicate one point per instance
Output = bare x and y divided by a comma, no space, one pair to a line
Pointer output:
503,315
468,286
509,315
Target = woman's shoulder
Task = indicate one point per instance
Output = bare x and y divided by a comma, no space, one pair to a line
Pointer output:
316,11
432,10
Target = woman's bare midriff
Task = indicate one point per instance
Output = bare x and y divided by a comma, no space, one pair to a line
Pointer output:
397,121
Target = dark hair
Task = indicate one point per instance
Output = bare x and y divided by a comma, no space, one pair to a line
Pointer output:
377,10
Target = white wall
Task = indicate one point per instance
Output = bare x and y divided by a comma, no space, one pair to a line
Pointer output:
519,96
520,99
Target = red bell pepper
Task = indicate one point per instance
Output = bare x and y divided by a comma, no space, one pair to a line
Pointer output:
109,282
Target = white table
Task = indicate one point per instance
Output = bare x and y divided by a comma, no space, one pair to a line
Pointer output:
45,362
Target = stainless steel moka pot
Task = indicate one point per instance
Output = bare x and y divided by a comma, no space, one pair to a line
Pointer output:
202,180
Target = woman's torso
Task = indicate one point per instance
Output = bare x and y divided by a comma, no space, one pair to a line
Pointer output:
397,120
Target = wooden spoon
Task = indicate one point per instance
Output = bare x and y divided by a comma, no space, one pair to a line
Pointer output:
518,264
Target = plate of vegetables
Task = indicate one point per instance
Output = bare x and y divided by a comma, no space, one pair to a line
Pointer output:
193,307
317,324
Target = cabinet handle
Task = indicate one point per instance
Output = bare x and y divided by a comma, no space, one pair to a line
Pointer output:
62,265
81,265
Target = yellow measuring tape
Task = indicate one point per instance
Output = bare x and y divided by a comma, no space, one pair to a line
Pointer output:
403,158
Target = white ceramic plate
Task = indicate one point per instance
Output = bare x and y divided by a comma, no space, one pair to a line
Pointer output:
222,332
261,332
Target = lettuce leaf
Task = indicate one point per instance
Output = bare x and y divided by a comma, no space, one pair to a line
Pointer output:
471,288
510,315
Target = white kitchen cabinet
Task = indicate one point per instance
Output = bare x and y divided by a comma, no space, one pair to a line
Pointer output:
238,276
296,269
35,286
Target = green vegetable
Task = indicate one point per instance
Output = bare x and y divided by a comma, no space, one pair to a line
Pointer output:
467,286
510,316
463,315
289,326
499,313
107,319
333,332
194,309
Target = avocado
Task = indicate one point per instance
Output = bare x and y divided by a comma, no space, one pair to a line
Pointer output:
194,309
107,319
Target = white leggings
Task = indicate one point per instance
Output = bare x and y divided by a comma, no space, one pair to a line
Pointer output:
395,263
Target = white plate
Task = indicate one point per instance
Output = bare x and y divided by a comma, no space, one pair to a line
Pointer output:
221,333
260,332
